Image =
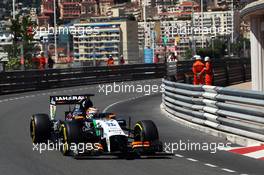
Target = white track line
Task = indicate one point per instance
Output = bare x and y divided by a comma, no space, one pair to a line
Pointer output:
178,155
210,165
193,160
228,170
121,101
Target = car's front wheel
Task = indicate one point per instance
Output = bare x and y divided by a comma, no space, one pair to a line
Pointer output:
147,131
71,136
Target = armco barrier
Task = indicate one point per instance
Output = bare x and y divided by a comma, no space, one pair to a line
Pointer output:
239,112
19,81
226,72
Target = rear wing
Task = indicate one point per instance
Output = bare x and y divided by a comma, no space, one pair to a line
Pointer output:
65,100
68,99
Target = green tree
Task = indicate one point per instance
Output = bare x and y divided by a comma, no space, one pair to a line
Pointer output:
188,54
238,46
131,17
16,31
22,31
212,53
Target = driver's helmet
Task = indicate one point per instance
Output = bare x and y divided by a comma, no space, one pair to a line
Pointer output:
92,112
86,104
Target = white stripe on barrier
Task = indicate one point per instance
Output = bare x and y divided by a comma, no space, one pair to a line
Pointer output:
210,110
211,124
209,95
211,117
209,89
210,103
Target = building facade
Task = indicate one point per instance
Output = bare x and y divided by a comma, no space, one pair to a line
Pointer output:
69,9
253,13
102,38
214,24
177,33
184,34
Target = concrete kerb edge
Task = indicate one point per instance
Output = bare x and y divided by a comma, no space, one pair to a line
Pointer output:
236,139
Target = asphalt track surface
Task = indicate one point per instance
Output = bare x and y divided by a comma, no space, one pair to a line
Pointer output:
18,158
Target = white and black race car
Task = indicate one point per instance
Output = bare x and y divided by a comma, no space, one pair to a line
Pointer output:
101,134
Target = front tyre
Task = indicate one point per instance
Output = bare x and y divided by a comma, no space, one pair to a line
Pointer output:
146,130
40,128
71,133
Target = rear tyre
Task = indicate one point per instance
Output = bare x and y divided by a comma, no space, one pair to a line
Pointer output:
71,134
40,128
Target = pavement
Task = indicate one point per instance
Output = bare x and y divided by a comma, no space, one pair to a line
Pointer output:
244,86
18,157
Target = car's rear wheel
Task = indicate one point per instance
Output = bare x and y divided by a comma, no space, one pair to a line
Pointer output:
72,135
40,128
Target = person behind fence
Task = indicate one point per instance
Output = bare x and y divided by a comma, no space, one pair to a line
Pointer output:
172,57
198,70
42,61
156,58
121,60
50,62
208,71
110,61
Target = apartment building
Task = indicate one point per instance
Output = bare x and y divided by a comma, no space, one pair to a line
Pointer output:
46,13
104,37
69,9
178,33
179,9
5,9
181,35
217,23
5,36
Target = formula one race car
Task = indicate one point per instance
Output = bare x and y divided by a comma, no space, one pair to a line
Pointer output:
85,131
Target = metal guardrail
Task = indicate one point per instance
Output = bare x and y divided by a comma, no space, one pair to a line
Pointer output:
240,112
20,81
225,73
